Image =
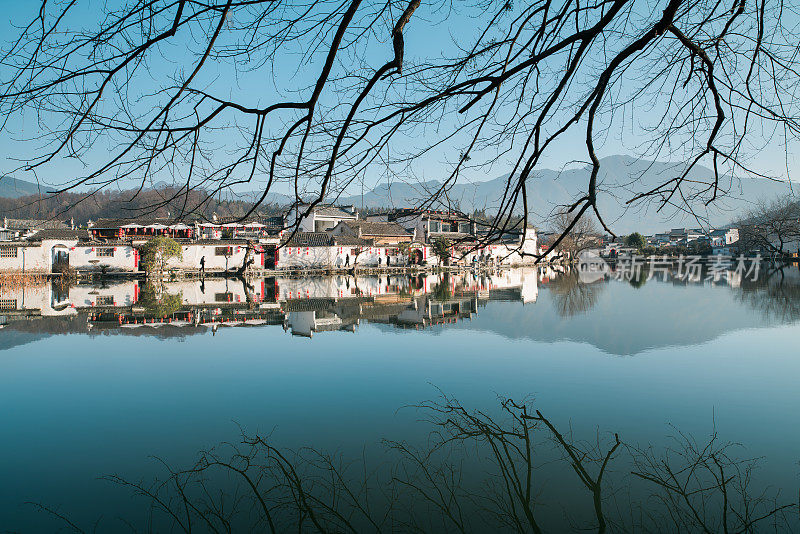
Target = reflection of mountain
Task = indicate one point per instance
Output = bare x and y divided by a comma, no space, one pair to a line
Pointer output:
10,339
34,328
22,332
627,321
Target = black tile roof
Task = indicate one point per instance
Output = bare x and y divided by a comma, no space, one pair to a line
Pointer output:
60,233
334,211
401,213
269,222
376,228
34,224
104,224
308,239
350,241
450,236
322,239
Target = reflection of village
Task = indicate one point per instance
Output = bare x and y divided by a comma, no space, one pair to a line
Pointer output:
307,305
302,305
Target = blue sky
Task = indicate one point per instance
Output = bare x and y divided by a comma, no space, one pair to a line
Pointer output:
428,34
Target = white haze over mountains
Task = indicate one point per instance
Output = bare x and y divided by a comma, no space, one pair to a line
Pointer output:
13,188
620,178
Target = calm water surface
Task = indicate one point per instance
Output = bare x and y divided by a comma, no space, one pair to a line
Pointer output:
328,362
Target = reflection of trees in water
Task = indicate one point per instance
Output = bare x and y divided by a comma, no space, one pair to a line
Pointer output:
158,302
441,291
776,294
571,297
477,472
640,276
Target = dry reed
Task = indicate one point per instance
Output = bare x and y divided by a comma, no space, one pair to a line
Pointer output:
10,280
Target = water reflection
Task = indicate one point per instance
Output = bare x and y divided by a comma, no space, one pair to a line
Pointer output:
302,305
305,306
573,296
776,295
93,403
476,473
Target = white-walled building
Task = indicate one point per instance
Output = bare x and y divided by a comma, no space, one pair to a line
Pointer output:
320,250
320,218
428,225
381,233
723,237
522,250
104,256
47,250
215,255
22,256
17,229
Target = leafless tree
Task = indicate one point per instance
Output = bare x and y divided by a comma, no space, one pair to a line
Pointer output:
771,227
146,89
577,237
705,487
254,486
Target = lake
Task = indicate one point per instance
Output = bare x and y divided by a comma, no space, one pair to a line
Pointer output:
92,383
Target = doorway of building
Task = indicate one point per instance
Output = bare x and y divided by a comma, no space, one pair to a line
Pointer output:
60,259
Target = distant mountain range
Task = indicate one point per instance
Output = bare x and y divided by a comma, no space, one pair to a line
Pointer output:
621,178
13,188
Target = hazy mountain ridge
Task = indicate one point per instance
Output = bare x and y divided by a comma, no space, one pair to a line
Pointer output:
14,188
620,178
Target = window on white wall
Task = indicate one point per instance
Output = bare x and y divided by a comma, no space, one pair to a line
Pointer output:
8,252
323,226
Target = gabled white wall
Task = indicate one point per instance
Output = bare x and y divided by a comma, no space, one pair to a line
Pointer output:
86,257
191,254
